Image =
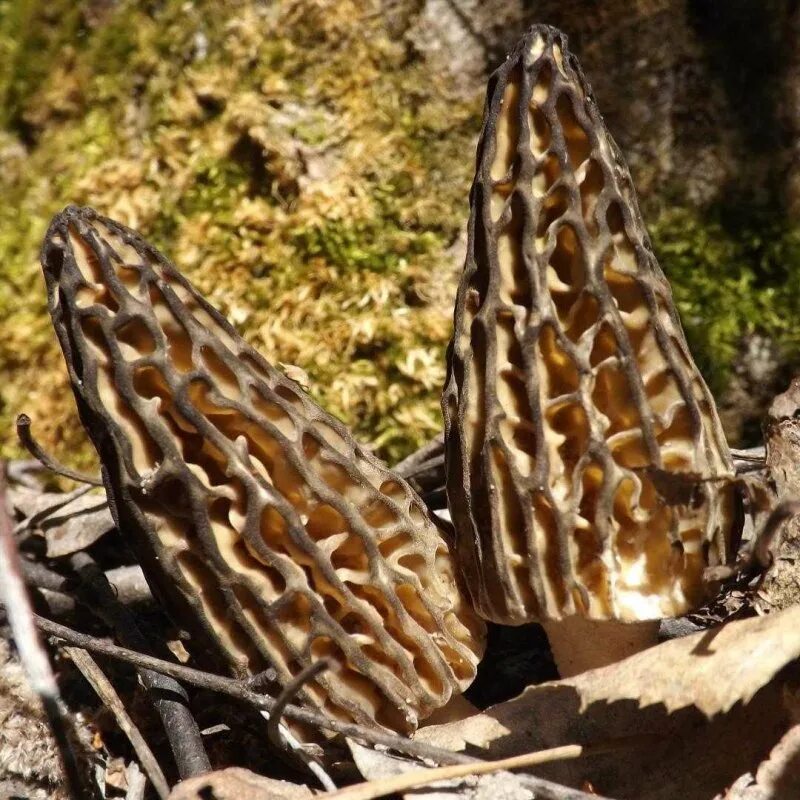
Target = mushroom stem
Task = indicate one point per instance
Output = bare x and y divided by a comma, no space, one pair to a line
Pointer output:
580,644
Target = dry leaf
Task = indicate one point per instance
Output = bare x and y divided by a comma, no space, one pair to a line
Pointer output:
699,693
235,783
688,671
70,531
31,503
745,788
779,776
69,522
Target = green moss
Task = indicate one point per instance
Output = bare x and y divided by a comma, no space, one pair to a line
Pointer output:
361,245
734,271
33,38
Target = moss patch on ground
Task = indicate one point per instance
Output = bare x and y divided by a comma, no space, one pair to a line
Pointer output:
298,161
734,272
309,171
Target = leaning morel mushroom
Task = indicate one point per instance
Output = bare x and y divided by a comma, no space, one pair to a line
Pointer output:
254,513
588,474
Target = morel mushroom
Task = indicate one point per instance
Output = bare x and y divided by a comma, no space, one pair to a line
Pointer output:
256,516
588,474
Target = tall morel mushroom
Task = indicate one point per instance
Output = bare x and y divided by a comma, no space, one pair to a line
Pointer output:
588,474
269,532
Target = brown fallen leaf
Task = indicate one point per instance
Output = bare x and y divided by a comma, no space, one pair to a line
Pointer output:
745,788
69,522
777,778
710,671
236,783
711,696
32,504
76,530
779,775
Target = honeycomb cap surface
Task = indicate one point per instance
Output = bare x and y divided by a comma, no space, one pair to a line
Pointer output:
587,470
265,528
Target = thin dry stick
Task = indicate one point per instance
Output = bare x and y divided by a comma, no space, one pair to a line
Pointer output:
288,694
424,777
32,654
280,736
543,789
41,455
108,694
239,690
128,582
434,465
168,696
296,747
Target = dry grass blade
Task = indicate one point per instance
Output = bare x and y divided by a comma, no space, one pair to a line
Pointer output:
106,692
32,654
424,777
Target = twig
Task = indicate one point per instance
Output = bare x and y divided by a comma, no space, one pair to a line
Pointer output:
280,736
128,583
433,465
41,577
424,777
240,691
410,464
108,694
32,654
544,789
41,455
751,460
296,747
261,679
288,694
169,697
